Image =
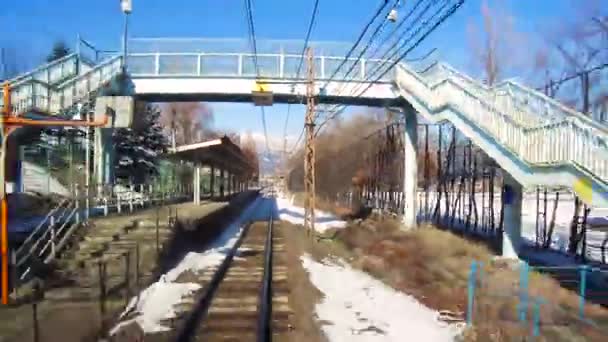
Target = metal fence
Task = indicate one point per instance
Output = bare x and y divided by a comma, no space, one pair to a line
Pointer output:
55,229
526,307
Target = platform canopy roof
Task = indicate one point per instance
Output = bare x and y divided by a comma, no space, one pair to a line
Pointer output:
222,153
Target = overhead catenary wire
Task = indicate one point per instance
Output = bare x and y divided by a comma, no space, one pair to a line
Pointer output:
370,40
354,47
573,76
446,15
252,40
311,23
396,56
337,111
395,29
404,44
394,62
394,49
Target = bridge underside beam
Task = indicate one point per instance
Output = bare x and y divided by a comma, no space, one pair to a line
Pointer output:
176,88
277,98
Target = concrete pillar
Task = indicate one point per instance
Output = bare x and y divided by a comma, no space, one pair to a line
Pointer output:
511,236
222,183
196,185
410,169
104,154
212,182
228,184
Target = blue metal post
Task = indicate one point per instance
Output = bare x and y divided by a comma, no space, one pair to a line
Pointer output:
471,292
583,290
536,318
523,291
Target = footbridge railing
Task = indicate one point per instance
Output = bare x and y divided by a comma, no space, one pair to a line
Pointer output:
567,139
58,85
188,57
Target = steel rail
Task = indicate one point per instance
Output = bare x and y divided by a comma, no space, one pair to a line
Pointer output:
264,333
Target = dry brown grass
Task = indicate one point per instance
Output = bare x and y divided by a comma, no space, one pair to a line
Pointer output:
433,265
324,204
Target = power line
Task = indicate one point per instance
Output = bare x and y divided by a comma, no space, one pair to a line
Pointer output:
311,23
403,55
404,42
415,21
252,39
308,32
371,39
573,76
395,29
264,125
352,49
396,47
444,17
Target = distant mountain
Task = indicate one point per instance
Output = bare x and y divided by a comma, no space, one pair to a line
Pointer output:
270,162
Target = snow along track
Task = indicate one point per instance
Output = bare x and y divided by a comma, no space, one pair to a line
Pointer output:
238,302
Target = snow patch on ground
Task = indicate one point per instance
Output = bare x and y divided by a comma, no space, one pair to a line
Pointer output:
358,307
563,217
294,214
156,302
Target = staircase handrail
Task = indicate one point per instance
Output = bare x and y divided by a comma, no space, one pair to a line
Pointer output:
40,240
39,226
49,97
509,85
508,130
20,79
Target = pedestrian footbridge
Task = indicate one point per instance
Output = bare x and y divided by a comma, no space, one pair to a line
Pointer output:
536,139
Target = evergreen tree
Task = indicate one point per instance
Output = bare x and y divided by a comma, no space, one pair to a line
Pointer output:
60,49
138,147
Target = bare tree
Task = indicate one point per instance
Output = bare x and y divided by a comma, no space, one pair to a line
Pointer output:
579,44
249,149
494,43
189,122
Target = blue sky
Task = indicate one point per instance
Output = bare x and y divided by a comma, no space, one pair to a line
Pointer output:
35,24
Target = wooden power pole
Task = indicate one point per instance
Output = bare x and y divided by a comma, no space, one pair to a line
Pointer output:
309,158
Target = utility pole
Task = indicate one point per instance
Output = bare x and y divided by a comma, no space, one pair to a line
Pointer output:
309,158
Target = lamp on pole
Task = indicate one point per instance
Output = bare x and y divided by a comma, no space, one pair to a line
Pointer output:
126,6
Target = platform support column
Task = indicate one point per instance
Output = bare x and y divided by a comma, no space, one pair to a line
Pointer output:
410,168
212,183
511,236
222,183
196,191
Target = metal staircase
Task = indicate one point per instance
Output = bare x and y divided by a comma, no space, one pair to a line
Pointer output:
59,85
536,139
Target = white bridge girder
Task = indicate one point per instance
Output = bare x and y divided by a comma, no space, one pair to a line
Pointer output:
240,90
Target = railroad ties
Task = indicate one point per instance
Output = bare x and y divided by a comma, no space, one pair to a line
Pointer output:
231,306
235,307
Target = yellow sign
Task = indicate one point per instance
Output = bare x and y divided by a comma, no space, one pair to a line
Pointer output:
262,95
261,87
584,190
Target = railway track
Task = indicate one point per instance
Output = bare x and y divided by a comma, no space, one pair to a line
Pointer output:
246,299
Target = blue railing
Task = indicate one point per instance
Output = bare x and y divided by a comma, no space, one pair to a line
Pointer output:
524,301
